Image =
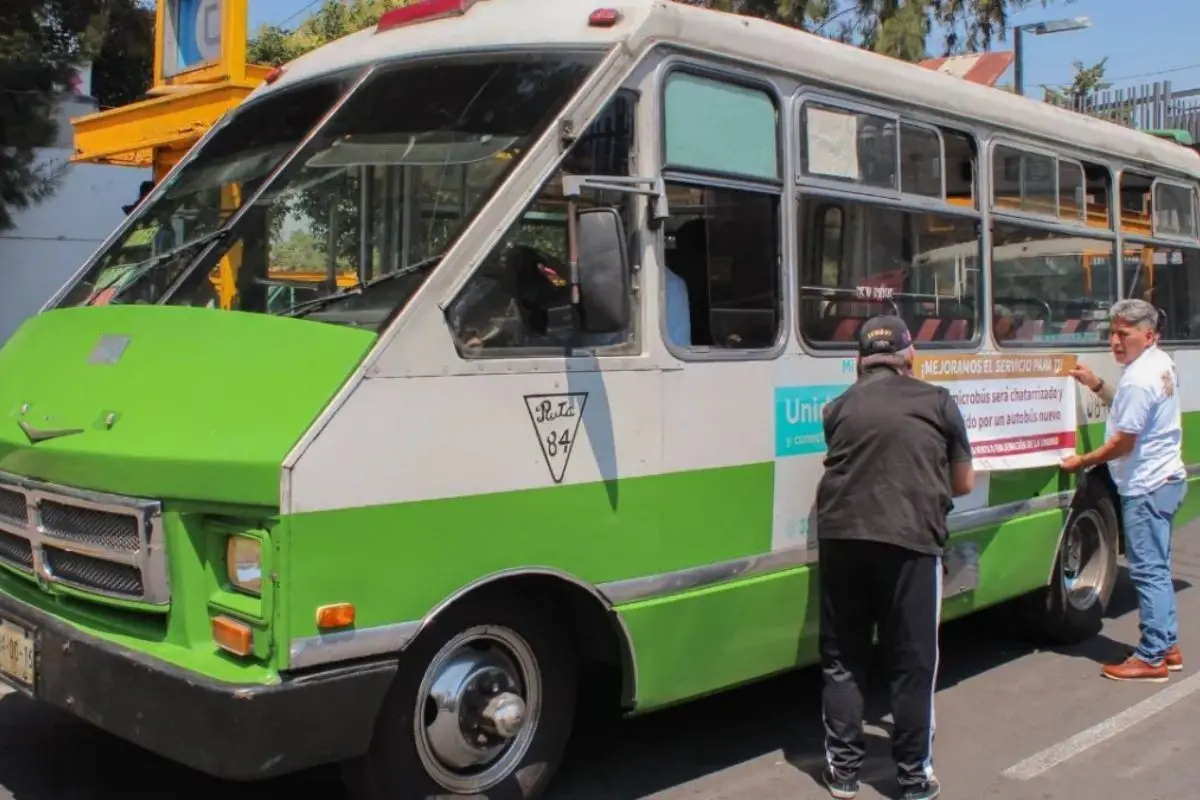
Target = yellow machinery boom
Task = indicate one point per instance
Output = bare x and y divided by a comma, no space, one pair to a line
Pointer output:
200,73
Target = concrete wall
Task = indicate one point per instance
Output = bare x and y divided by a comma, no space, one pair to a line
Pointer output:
52,240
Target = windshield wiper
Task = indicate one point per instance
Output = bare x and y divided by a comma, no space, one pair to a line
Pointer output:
139,270
358,288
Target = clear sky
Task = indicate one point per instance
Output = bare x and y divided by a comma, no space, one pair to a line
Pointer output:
1154,40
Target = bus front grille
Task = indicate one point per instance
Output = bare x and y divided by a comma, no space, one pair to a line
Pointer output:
101,544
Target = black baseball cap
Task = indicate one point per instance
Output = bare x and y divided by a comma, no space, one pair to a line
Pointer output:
883,335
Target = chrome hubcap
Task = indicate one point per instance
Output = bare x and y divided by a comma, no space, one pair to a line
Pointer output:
477,709
1084,560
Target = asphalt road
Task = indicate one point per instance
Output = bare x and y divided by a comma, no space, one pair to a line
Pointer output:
1013,723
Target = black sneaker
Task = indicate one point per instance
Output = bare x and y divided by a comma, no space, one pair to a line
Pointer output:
926,791
838,787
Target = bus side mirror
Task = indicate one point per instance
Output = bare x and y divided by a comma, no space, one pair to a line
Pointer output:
604,280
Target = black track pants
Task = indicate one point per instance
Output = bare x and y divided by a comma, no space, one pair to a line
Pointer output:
865,585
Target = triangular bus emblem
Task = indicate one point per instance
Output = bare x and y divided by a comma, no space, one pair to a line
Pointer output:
555,419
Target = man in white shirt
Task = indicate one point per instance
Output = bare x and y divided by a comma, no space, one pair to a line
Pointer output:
1143,450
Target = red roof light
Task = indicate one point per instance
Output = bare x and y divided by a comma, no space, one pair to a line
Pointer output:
273,75
604,18
423,11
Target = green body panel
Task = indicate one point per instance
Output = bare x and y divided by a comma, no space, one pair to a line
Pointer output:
205,405
597,532
694,643
181,637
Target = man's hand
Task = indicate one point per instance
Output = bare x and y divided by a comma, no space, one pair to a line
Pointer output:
1085,377
1071,463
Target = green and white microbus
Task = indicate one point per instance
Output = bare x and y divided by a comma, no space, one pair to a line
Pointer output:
412,525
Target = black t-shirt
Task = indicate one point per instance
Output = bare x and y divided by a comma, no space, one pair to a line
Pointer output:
891,439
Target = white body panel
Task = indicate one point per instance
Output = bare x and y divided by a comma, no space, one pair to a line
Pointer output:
418,422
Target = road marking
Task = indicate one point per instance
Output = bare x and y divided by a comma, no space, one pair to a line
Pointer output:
1054,755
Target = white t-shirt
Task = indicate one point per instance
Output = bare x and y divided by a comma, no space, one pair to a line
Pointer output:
1147,405
679,316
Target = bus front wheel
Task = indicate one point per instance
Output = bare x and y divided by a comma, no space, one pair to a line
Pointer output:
482,707
1071,609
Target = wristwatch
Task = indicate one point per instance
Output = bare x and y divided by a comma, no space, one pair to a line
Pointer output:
1099,385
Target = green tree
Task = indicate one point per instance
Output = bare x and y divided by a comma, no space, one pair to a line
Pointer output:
1083,94
274,45
124,66
41,42
898,28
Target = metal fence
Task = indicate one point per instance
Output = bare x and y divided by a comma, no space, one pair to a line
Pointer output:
1149,106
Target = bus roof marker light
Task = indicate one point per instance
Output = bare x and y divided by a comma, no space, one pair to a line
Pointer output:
604,18
273,76
423,11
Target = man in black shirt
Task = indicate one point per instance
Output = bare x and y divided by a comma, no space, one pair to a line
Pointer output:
897,453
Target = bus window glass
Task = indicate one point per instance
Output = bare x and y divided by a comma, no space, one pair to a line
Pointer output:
720,127
1050,287
922,266
1174,212
920,161
203,194
724,245
1098,190
517,303
830,243
1136,203
961,186
1168,278
849,146
1071,195
1023,181
382,189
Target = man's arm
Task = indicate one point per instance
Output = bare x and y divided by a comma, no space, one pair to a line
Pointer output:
1098,386
958,448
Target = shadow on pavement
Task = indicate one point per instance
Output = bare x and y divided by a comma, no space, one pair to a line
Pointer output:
48,755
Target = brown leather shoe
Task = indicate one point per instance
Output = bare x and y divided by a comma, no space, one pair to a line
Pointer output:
1134,669
1174,658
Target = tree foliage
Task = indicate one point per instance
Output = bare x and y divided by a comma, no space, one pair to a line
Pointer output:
41,41
275,45
124,65
1083,94
898,28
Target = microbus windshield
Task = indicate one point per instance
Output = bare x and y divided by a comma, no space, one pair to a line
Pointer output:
272,217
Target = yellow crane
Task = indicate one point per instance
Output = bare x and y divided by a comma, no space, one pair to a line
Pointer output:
200,73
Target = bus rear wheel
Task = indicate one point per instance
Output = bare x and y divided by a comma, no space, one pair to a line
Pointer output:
481,707
1071,609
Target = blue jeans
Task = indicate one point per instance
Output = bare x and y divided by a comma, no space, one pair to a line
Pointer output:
1148,519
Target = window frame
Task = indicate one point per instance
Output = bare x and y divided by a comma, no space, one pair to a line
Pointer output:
1049,225
826,191
1066,154
1190,189
632,346
1158,242
743,78
746,77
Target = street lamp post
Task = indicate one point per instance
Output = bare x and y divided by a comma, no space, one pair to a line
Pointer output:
1039,29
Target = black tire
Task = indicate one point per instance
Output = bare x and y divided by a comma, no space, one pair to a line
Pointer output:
392,768
1058,616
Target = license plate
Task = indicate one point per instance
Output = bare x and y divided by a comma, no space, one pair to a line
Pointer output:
16,653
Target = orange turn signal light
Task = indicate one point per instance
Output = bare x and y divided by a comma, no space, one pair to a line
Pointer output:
337,615
233,636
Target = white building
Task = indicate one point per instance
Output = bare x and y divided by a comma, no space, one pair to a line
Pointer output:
51,240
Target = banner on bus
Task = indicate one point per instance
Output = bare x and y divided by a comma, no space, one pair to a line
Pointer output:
1020,411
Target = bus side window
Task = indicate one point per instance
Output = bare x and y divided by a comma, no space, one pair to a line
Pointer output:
518,301
721,244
